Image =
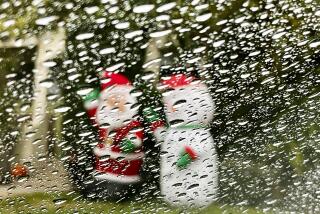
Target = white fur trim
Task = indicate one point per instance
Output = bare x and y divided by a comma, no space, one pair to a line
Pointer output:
115,89
117,178
160,133
114,155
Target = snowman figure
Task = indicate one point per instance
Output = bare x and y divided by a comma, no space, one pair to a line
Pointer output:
119,154
188,156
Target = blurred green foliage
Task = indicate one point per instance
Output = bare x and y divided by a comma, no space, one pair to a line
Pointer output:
67,203
261,63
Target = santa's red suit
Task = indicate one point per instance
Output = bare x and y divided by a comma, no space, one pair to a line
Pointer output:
114,162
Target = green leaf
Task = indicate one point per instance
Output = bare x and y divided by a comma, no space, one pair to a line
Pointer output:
184,161
127,146
151,115
93,95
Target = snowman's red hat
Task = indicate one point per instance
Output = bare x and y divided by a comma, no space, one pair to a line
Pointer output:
177,80
110,78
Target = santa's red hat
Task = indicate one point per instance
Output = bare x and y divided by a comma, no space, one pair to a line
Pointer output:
110,78
177,80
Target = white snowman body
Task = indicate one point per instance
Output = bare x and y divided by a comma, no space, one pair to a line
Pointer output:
189,110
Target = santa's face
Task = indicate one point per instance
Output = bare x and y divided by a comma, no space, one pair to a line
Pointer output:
186,105
116,107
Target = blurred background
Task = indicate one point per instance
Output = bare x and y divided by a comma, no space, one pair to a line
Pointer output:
260,60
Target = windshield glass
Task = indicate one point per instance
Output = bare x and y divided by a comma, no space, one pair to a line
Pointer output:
159,106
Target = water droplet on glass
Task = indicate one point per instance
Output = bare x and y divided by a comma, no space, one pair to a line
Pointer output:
143,8
84,36
203,17
166,7
46,20
62,109
160,33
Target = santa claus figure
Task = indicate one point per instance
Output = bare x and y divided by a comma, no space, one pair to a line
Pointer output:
189,160
118,155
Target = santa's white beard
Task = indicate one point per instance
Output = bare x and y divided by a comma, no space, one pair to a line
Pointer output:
112,119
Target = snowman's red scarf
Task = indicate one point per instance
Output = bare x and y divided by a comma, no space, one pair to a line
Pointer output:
122,132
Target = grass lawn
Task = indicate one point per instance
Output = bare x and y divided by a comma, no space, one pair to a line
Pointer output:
73,203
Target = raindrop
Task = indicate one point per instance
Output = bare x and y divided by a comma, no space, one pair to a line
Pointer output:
218,43
204,17
192,186
49,64
179,103
84,36
62,109
73,77
176,123
242,123
46,83
199,50
166,7
314,44
160,33
23,118
91,10
143,8
278,35
122,25
244,76
221,89
9,23
148,76
107,51
267,80
177,184
46,20
239,20
115,67
132,34
59,201
136,93
84,91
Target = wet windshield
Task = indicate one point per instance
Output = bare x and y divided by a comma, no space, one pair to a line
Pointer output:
159,106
